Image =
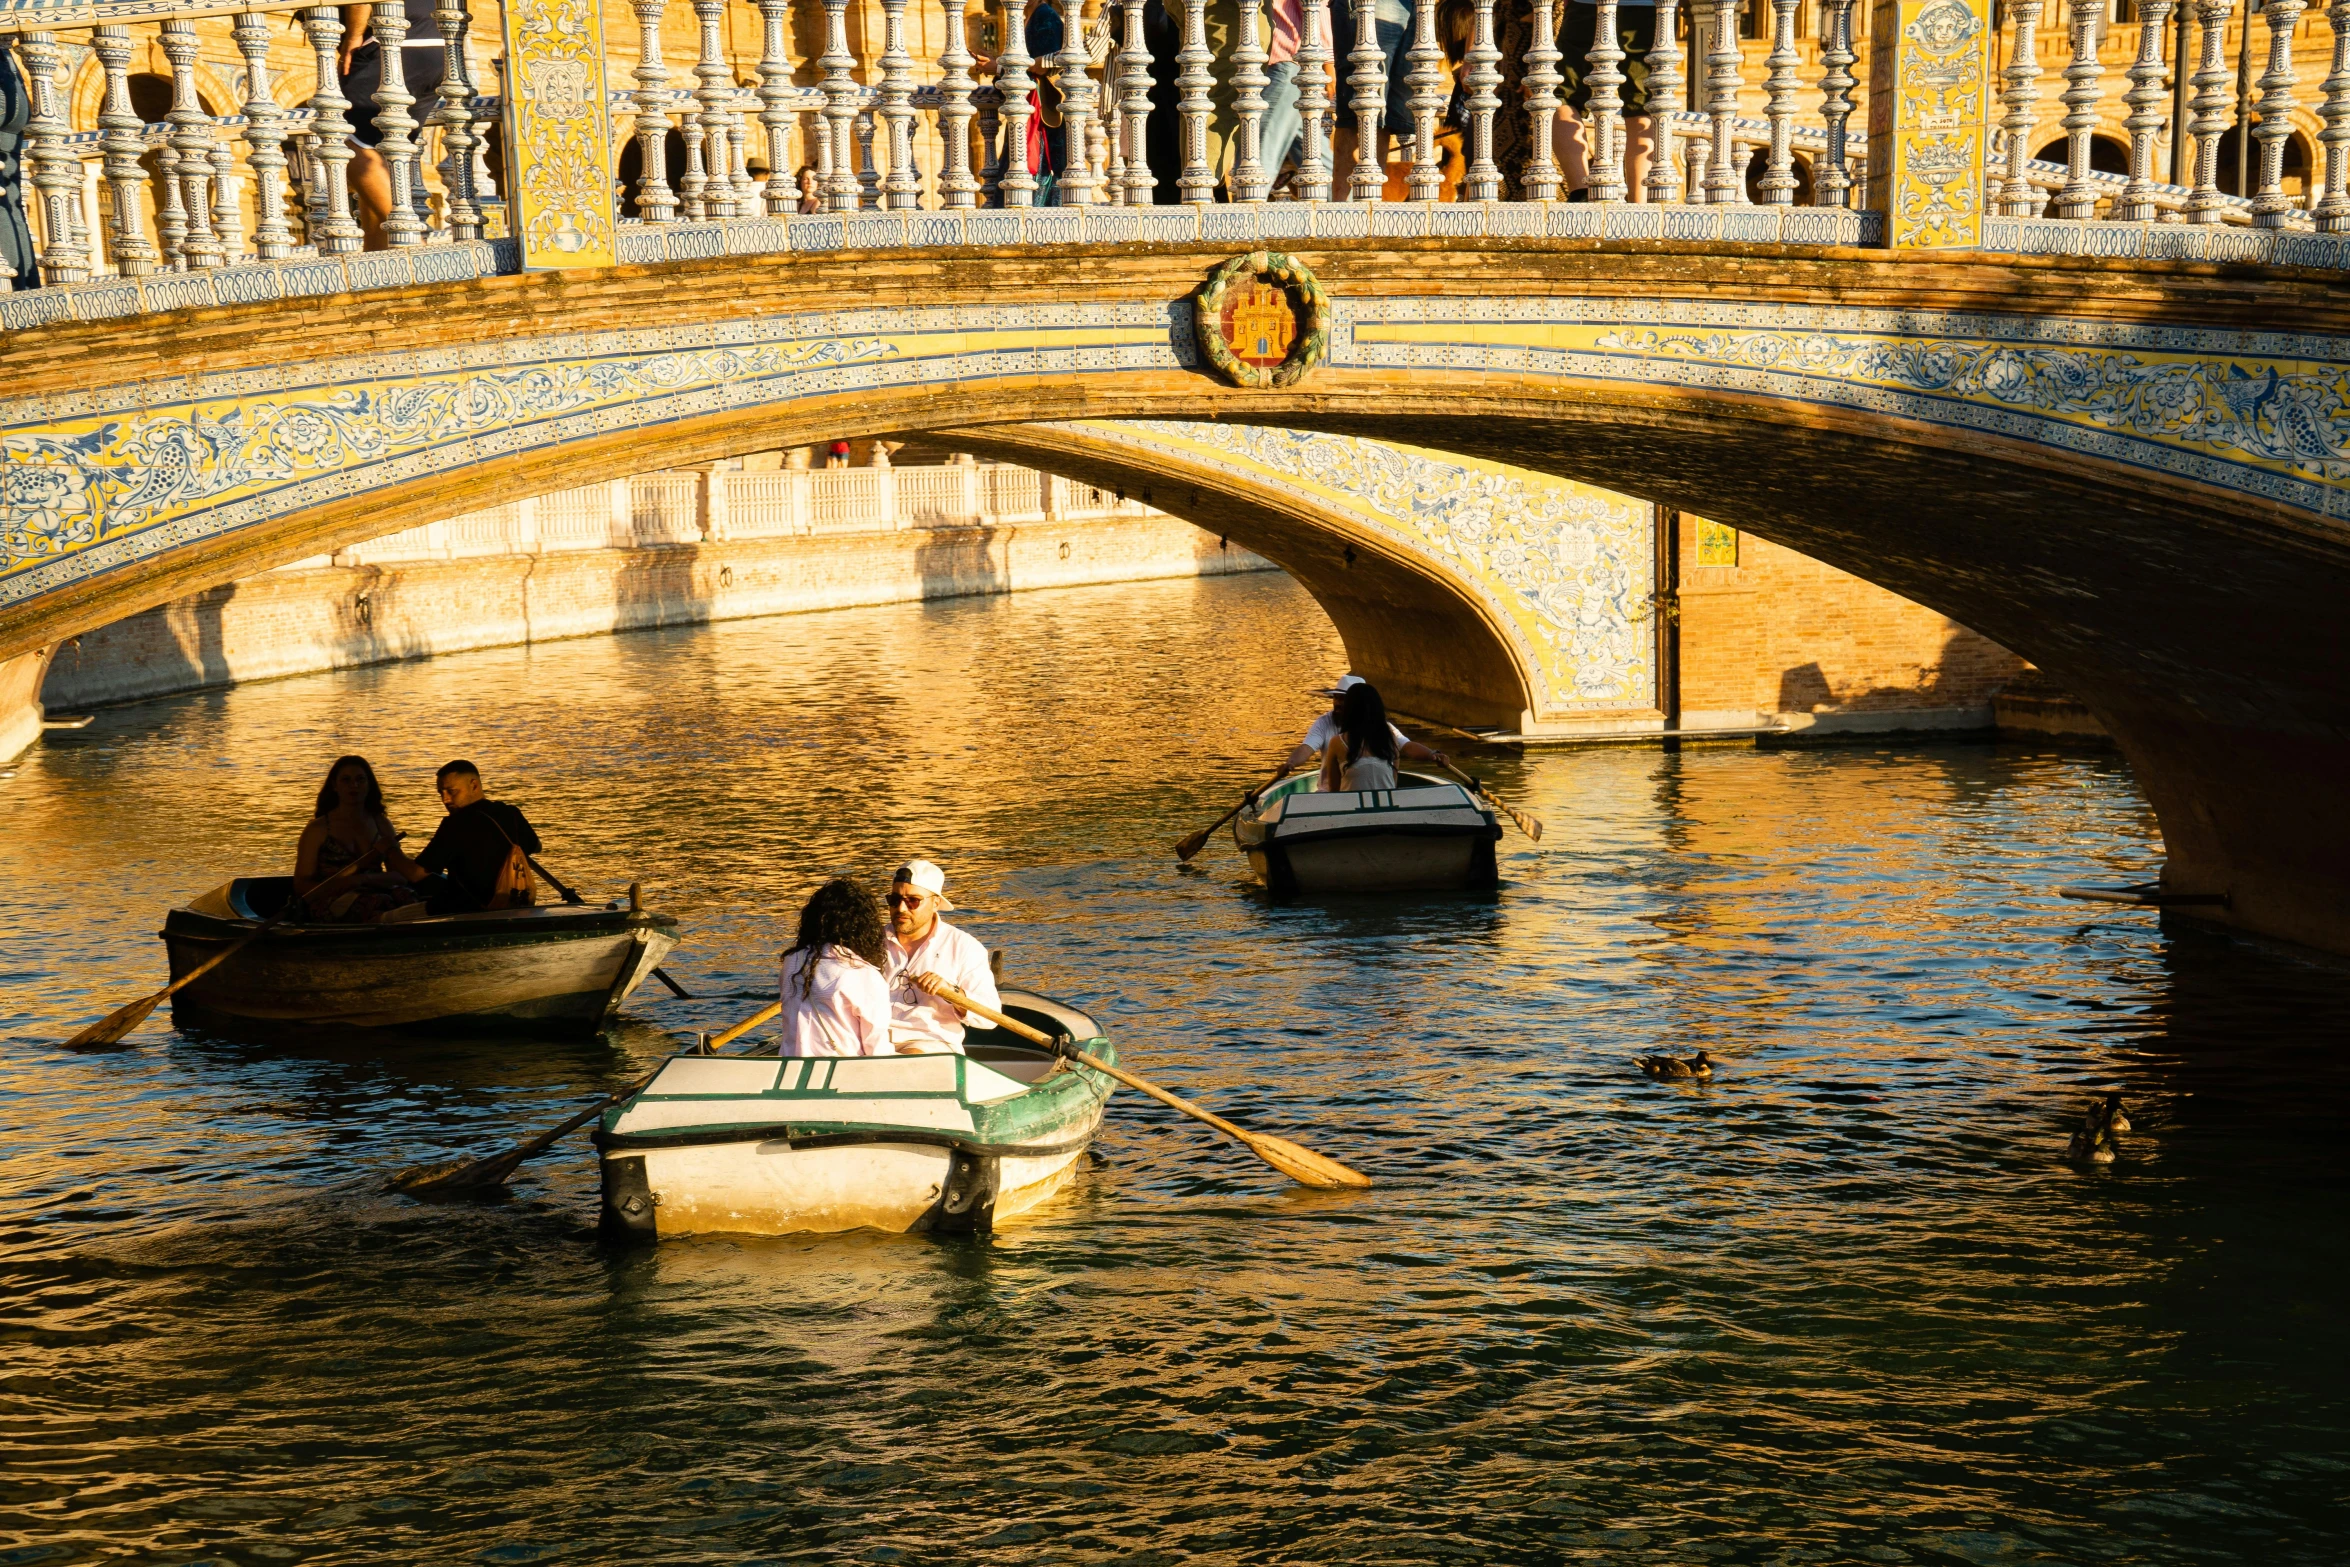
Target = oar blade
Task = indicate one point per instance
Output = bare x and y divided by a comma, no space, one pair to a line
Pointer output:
109,1029
456,1177
1305,1166
1187,847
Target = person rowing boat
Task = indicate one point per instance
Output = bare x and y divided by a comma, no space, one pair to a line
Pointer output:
1328,726
924,951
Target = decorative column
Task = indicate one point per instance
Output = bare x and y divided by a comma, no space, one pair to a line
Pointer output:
901,188
1481,74
655,201
558,136
1664,91
265,141
57,176
1079,186
398,147
192,141
958,187
2147,98
2270,204
228,218
1193,81
2333,208
1778,184
1606,59
123,140
1832,183
2015,197
1013,81
714,91
1313,103
1725,179
1929,115
1249,178
781,193
333,231
841,192
453,113
1426,78
1368,180
1134,103
2210,81
1541,175
2078,199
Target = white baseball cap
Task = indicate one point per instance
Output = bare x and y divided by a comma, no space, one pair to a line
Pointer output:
1345,684
926,877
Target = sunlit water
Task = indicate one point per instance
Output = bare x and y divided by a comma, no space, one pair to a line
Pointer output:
1847,1304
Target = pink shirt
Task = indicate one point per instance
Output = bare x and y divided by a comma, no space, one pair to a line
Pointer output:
919,1018
1289,26
844,1013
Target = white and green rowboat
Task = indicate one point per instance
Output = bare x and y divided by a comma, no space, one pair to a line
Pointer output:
1424,835
949,1144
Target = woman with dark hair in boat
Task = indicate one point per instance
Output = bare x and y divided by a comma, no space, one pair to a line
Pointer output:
347,824
1361,755
835,1000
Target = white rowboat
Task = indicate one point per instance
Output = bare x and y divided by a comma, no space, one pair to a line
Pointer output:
1424,835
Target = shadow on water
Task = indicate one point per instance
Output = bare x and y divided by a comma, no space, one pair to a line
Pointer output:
1847,1303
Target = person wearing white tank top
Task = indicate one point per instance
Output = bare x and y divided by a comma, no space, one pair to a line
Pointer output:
1361,755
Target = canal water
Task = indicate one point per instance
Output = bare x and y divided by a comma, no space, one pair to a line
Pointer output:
1847,1304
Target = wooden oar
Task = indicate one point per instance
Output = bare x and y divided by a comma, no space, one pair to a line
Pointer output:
1301,1165
568,896
1187,847
472,1175
110,1028
1526,824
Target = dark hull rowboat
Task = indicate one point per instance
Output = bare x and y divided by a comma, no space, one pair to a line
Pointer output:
1424,835
552,970
946,1144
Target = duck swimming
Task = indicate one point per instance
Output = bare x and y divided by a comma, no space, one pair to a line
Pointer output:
2115,1120
1699,1067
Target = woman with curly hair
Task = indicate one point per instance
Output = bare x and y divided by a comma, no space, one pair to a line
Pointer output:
835,1001
348,826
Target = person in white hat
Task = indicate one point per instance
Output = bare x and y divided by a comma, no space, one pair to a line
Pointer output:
1325,729
924,948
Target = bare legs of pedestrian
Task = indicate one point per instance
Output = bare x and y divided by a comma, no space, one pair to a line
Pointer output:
1570,143
371,194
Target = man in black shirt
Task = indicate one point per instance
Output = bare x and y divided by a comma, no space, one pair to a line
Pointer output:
477,847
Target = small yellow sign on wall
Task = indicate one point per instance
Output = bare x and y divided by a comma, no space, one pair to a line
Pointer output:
558,135
1929,118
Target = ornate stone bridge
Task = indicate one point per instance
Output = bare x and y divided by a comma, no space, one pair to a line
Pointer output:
2115,444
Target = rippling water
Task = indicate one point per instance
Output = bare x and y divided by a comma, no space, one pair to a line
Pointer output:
1847,1304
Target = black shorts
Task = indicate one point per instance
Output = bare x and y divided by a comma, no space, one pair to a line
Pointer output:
1635,35
421,69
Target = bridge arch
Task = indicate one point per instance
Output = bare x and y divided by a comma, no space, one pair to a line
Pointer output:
2132,474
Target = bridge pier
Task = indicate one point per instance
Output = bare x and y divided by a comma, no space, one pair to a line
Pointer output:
20,702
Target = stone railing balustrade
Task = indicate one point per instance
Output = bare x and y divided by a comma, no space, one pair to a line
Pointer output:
201,193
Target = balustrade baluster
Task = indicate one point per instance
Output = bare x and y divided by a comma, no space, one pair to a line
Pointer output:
1541,175
901,188
1249,178
1313,104
171,219
1605,58
2211,80
228,220
2270,204
1134,107
453,113
1725,177
2333,208
1079,185
714,192
1481,75
1367,181
747,202
958,187
1698,151
840,110
655,201
335,233
868,171
1663,96
1193,80
265,138
1014,82
782,192
398,148
990,104
2016,197
1778,183
123,141
192,141
57,175
2078,199
1832,182
1425,78
2147,99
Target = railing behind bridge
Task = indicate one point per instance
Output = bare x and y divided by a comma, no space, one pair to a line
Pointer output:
201,208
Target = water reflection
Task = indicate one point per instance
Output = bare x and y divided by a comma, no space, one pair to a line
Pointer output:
1844,1304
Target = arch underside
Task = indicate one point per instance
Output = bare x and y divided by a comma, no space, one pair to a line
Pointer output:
2134,482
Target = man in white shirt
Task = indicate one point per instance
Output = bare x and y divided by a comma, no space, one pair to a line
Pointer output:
1325,729
923,947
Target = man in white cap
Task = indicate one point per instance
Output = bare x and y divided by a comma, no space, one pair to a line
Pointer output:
922,947
1325,729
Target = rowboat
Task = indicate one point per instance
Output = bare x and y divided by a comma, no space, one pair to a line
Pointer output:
563,969
940,1143
1423,835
